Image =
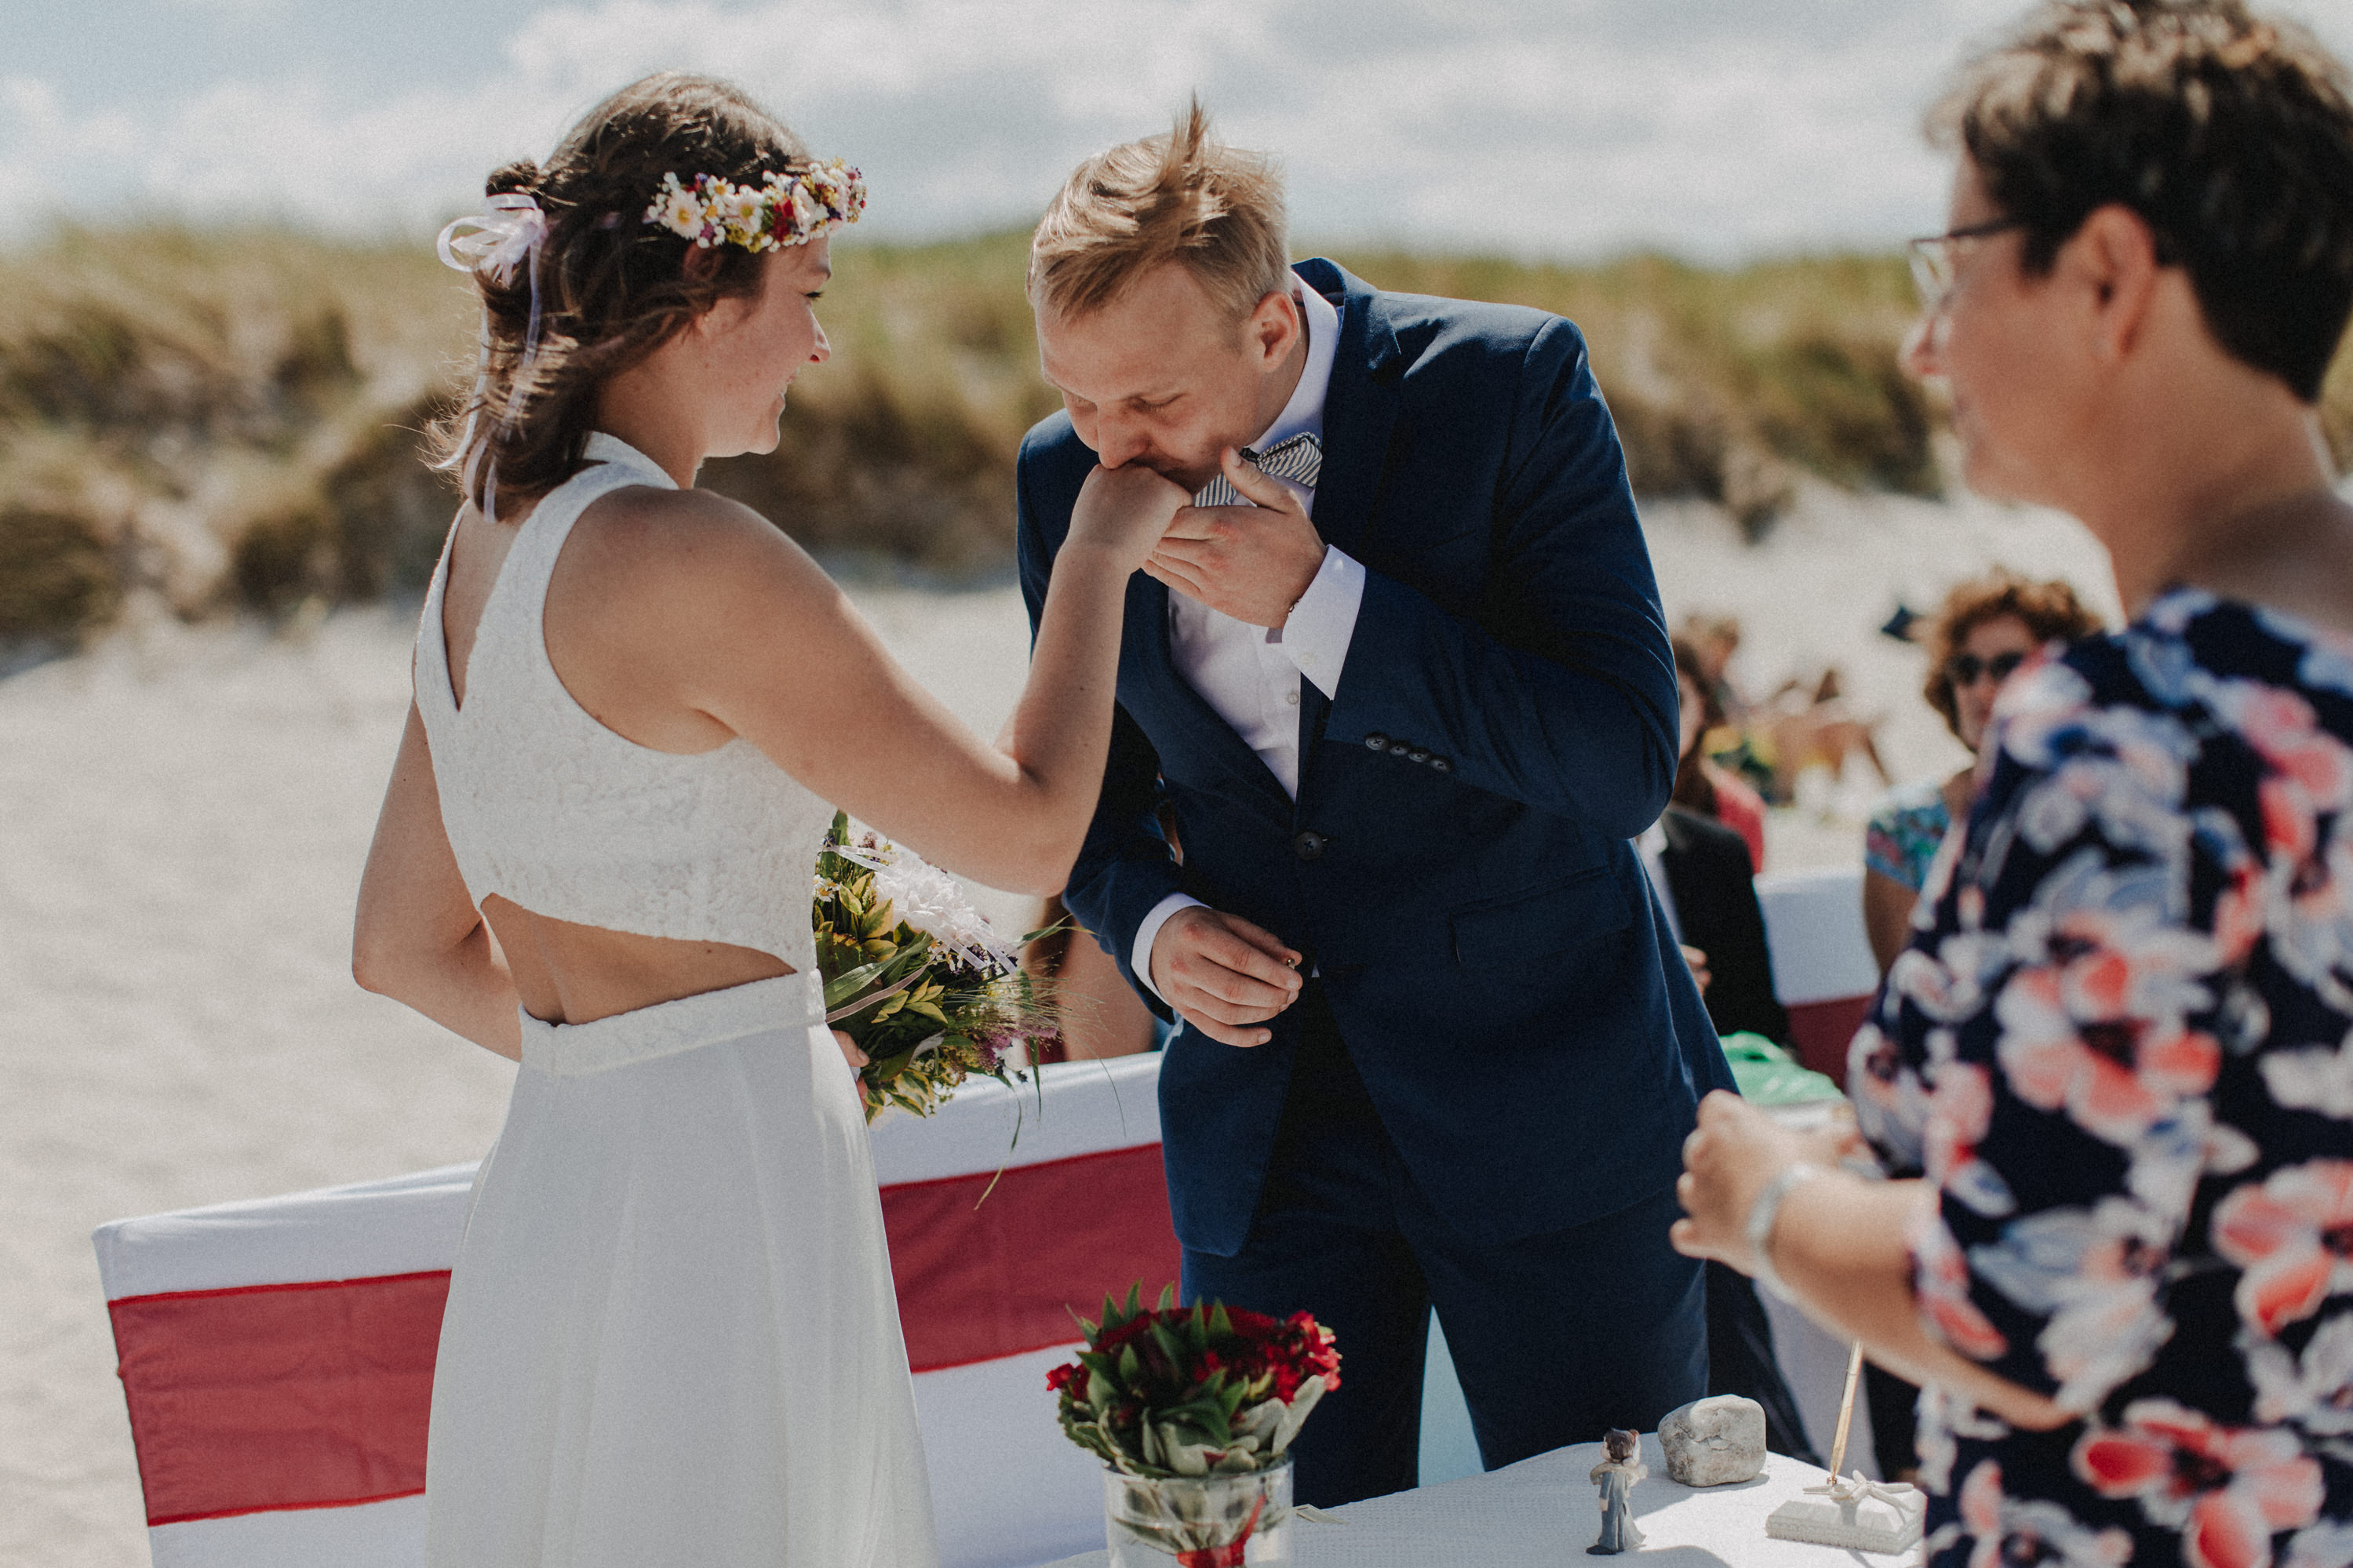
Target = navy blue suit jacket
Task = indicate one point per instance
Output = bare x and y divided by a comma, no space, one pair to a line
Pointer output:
1489,945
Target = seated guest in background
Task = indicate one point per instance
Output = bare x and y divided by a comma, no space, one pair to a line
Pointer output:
1702,784
1703,874
1986,629
2120,1041
1700,870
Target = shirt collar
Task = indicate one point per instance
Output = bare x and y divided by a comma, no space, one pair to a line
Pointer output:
1304,412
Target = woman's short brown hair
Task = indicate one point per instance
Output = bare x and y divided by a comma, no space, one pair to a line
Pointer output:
2050,610
2230,136
612,288
1180,197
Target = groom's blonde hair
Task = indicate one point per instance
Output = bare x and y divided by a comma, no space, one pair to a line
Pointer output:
1178,198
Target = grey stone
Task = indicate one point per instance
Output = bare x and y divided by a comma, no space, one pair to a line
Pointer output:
1714,1442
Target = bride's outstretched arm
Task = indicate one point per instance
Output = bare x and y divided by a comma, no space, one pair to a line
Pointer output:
787,661
418,936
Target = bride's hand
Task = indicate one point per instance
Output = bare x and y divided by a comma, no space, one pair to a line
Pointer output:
849,1051
1126,510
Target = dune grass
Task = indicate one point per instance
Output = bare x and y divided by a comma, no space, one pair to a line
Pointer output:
230,419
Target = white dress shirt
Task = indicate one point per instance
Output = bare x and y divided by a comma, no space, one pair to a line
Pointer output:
1249,674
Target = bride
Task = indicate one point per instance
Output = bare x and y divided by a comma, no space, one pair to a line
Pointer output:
671,1335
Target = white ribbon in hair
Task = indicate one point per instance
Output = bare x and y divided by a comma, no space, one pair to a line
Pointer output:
507,230
506,234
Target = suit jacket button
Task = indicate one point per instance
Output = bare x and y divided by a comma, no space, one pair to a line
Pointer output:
1399,748
1419,754
1309,844
1442,765
1377,742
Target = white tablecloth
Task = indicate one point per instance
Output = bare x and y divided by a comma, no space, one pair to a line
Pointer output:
1543,1511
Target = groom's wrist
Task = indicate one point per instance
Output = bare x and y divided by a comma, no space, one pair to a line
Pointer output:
1147,934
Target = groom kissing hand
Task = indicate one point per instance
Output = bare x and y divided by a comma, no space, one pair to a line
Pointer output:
1395,693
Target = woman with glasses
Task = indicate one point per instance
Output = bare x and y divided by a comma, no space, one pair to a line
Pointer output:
2120,1041
1986,629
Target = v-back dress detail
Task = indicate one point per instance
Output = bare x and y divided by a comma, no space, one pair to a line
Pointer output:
672,1336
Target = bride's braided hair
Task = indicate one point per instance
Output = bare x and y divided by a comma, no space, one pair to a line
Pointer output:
612,287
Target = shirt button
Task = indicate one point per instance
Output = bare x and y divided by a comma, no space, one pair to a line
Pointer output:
1291,698
1377,742
1309,844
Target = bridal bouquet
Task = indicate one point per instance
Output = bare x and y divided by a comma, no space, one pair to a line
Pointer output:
916,975
1192,1412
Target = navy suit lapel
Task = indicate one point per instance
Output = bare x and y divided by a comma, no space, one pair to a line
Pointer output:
1360,414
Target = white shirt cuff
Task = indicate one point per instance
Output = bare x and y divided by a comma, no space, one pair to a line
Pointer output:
1324,622
1141,960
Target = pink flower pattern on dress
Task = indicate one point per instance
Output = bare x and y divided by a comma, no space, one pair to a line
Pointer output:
2011,1531
2078,1034
2227,1490
2292,1237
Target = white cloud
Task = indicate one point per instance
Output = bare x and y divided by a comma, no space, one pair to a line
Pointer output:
1715,126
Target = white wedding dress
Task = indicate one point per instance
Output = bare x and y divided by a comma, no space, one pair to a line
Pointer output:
672,1336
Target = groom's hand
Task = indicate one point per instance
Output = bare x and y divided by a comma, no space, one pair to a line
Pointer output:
1252,562
1223,975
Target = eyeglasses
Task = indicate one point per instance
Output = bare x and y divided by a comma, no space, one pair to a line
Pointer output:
1933,263
1963,668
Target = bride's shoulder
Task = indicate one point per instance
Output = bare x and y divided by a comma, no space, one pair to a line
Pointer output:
653,535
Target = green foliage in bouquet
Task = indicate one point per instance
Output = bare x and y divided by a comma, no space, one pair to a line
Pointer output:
928,1010
1205,1390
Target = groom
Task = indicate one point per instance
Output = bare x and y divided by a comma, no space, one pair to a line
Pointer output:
1393,697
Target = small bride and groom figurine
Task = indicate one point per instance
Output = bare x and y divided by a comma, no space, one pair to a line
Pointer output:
1616,1475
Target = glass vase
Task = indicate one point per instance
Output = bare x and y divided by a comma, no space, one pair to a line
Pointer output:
1200,1521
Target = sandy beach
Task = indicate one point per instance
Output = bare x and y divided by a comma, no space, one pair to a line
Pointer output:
184,811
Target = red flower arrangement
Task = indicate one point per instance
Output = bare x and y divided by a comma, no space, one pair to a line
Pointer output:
1194,1391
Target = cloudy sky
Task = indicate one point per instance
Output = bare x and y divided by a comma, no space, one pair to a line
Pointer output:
1715,127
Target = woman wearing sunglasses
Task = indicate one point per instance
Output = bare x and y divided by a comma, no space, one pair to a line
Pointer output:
1986,629
2120,1040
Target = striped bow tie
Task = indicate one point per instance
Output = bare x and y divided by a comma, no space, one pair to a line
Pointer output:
1300,459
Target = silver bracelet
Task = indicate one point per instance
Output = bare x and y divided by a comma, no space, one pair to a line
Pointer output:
1764,1211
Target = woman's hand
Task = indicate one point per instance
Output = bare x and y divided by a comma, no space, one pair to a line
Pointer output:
849,1051
1729,1157
1253,563
1126,510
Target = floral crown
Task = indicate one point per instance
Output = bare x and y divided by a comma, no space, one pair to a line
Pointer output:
789,207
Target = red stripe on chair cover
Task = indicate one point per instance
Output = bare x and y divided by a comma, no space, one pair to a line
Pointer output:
279,1397
1822,1030
982,1280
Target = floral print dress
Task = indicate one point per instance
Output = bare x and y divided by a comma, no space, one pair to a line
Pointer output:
2123,1053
